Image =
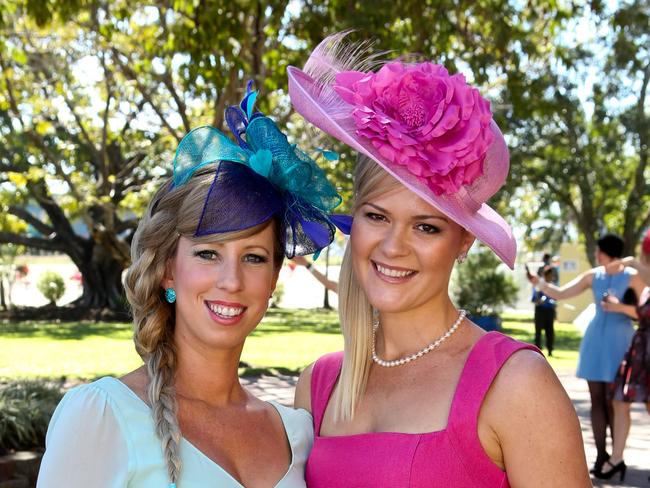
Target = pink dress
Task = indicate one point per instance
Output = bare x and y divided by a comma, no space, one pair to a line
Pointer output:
452,457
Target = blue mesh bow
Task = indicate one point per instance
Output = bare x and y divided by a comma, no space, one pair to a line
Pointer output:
262,176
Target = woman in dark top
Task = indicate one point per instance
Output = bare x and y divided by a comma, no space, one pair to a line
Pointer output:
632,382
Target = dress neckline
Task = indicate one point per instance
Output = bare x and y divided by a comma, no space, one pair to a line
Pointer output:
454,400
278,408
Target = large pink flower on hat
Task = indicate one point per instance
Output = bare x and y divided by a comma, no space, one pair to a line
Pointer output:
420,117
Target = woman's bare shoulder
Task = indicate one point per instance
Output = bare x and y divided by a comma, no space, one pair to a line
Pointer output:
302,397
138,381
533,418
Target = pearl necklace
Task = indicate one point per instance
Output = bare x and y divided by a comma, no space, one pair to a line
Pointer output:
407,359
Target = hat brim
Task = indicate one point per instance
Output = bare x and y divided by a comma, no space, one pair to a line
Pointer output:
487,225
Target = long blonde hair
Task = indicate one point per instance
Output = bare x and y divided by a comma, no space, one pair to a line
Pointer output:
173,212
355,311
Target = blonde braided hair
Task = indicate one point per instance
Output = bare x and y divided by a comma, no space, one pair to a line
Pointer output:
173,212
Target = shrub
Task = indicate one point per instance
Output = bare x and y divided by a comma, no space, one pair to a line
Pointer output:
25,411
51,285
482,289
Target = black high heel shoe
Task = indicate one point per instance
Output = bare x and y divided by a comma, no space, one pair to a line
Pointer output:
616,468
598,465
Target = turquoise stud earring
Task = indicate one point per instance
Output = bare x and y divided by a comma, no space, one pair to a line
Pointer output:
170,295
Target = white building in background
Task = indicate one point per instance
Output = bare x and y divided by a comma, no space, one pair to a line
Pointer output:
573,262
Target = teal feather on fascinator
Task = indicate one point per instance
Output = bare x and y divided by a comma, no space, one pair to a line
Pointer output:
260,177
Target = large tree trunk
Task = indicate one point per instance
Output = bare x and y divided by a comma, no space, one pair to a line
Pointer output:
326,296
3,303
102,280
100,261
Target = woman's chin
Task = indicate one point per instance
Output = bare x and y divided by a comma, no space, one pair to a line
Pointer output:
390,304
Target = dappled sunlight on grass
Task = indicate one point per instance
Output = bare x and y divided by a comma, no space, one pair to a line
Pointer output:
69,349
84,358
281,320
567,340
286,340
65,330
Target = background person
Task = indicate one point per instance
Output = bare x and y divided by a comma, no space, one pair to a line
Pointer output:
608,335
632,383
545,310
421,396
206,258
549,265
331,285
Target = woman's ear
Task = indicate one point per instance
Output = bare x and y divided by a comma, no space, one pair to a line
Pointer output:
168,278
467,240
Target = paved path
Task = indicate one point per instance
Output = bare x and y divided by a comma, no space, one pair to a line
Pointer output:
637,454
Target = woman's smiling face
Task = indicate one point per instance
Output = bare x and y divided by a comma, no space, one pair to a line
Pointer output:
403,250
222,288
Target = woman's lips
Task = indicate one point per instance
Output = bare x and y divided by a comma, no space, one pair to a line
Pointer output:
226,313
392,274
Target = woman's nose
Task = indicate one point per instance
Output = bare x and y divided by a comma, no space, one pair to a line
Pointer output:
229,276
394,242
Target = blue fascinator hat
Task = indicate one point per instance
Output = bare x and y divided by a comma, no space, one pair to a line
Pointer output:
259,177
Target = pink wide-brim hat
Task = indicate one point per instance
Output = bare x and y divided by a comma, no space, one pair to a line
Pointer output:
312,95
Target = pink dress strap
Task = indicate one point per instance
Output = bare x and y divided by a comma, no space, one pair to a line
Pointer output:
323,378
483,364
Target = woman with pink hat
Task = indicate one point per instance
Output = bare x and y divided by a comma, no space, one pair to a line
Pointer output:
421,396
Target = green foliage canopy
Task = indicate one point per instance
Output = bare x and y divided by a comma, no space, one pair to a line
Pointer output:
581,156
94,96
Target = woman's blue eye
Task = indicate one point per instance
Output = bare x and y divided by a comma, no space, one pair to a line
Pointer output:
375,216
428,228
207,254
255,258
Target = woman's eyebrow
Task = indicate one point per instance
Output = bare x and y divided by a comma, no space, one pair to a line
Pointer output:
425,217
415,217
377,207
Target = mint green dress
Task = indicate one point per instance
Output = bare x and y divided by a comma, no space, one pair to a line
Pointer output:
102,436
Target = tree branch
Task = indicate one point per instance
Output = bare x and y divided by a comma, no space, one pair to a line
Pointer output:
640,106
54,159
646,222
34,242
130,74
103,156
10,92
223,97
10,167
131,117
635,198
182,108
123,225
58,219
39,225
133,163
566,199
38,64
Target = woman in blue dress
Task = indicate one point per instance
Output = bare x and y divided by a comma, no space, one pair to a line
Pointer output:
205,260
608,335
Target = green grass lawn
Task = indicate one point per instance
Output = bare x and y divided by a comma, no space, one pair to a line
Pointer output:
286,339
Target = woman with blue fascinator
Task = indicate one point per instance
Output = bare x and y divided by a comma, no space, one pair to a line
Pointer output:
205,260
421,396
